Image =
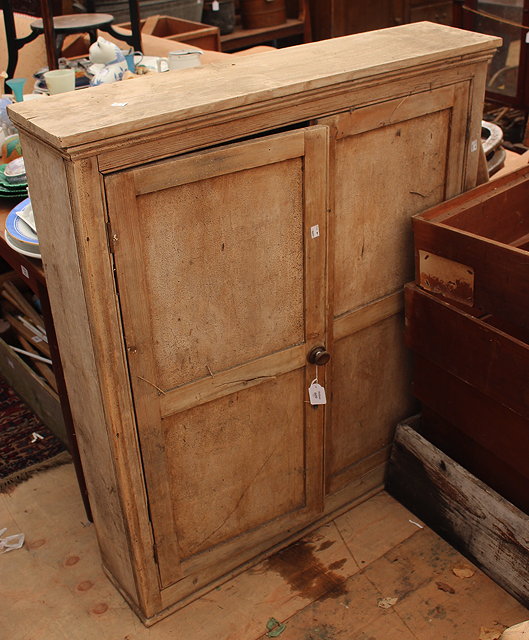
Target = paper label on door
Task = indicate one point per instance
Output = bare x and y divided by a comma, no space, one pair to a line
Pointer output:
317,394
215,6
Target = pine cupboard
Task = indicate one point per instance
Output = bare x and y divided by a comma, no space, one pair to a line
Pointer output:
209,237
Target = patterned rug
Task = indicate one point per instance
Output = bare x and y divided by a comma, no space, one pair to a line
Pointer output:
26,445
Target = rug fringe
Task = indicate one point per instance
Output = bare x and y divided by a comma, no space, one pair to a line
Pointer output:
9,483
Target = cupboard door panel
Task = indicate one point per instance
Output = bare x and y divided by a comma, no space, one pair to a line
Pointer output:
371,393
210,506
222,285
388,162
222,256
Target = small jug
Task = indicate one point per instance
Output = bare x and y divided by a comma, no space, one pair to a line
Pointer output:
182,59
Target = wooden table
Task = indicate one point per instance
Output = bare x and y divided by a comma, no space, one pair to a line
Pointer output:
32,272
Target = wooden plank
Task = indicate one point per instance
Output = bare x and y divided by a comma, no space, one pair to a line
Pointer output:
232,380
394,111
315,191
127,238
217,162
493,362
225,85
499,214
474,198
89,218
138,147
43,368
368,315
23,305
466,512
28,334
480,434
501,284
74,336
42,400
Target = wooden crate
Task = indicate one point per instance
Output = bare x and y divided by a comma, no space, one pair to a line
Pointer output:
33,390
200,35
472,380
473,251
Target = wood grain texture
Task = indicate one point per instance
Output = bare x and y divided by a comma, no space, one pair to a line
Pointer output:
35,393
200,233
251,465
90,223
373,258
475,519
213,88
470,230
232,380
207,360
371,389
224,238
370,259
139,335
490,360
70,315
137,147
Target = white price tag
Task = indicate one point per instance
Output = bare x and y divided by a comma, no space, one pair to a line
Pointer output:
317,393
527,37
215,6
25,272
315,231
474,146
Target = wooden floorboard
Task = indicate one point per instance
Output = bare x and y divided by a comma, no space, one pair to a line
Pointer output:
325,588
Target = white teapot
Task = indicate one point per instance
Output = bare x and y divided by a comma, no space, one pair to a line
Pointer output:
108,63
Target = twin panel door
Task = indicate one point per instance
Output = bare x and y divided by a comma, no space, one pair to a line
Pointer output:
222,265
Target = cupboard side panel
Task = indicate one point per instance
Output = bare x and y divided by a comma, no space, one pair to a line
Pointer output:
90,220
53,211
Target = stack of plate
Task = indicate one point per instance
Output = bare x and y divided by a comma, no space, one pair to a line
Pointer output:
20,233
13,180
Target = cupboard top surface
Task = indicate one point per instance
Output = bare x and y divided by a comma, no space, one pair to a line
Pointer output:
95,114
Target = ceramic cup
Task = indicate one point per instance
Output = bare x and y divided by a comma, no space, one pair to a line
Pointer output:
60,80
183,59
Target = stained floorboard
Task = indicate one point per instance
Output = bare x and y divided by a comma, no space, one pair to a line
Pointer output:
327,587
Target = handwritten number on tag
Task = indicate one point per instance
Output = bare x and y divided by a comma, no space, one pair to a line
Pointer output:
317,394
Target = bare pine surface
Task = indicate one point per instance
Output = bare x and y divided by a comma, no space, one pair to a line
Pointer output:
326,587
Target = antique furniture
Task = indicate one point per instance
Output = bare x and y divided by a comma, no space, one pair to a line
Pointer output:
296,29
508,77
209,237
468,325
340,17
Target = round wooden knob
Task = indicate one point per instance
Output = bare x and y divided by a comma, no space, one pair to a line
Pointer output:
319,356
